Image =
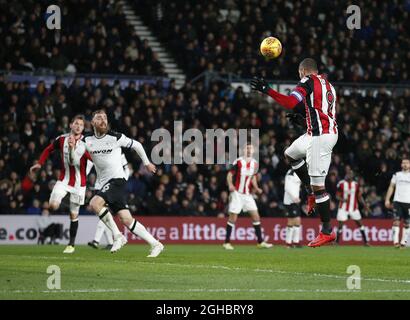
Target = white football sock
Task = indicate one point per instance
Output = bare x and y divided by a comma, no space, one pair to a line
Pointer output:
396,230
296,234
106,217
404,235
108,236
99,231
289,235
139,230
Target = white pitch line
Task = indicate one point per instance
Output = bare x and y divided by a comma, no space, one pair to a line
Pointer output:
221,267
201,290
273,271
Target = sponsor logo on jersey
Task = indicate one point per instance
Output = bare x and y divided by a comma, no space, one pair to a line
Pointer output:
104,151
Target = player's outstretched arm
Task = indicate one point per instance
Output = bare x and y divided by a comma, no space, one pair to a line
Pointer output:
44,156
126,142
259,84
139,149
34,168
288,102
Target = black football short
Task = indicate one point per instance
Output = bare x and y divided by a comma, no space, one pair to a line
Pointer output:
114,194
292,210
401,211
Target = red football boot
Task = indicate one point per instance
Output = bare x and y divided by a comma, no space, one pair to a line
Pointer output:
322,239
311,204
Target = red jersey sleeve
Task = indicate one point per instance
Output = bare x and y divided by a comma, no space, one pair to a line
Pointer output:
288,102
303,88
297,95
55,145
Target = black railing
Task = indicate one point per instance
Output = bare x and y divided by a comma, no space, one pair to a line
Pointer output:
50,77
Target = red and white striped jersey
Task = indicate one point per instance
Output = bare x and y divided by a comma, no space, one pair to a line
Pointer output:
349,193
73,175
319,97
243,170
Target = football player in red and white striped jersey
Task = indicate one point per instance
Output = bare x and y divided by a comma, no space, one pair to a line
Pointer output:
319,99
349,195
72,178
241,181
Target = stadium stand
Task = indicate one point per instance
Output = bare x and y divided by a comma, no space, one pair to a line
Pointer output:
222,36
96,38
371,141
219,36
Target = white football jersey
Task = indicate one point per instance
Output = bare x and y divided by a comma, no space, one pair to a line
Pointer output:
124,163
106,154
402,181
292,187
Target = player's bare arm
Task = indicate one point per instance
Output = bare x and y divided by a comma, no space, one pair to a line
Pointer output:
389,193
363,202
43,157
35,168
139,149
126,142
231,187
339,196
255,185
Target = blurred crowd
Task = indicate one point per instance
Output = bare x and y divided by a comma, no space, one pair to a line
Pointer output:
94,38
374,133
221,36
224,36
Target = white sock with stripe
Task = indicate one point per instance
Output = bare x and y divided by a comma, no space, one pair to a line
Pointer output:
296,234
396,230
289,234
100,231
404,235
106,217
139,230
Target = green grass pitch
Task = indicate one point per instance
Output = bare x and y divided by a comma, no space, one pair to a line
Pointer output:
205,272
